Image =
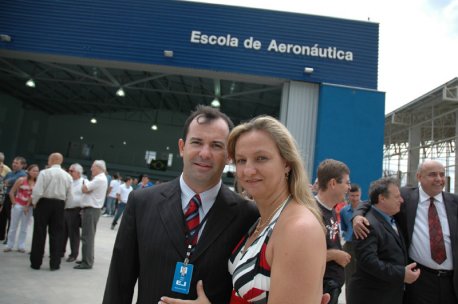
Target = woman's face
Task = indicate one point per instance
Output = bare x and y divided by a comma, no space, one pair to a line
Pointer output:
33,172
259,167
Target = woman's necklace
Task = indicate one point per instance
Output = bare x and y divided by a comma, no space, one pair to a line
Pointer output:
260,227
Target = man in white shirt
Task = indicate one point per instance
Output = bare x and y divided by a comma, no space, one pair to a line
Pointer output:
423,206
113,189
123,194
72,213
94,193
52,188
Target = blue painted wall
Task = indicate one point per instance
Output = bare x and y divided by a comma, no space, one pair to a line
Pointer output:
139,31
350,129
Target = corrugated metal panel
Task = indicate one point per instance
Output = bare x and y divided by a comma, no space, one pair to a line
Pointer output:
299,114
139,31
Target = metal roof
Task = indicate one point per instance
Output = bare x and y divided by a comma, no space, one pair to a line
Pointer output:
82,86
434,113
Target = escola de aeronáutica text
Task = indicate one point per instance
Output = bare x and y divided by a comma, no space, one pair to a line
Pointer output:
330,52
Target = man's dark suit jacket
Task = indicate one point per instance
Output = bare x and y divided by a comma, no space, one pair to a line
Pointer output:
380,262
151,240
406,220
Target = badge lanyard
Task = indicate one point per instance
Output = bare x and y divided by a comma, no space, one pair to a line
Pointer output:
183,271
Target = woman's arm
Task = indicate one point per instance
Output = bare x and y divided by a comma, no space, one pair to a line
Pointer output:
13,190
298,261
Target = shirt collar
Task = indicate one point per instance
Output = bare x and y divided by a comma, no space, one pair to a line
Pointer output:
425,197
322,204
385,216
207,197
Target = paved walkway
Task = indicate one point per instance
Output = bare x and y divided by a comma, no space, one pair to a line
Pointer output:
22,285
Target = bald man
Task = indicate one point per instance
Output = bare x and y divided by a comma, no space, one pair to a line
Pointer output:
438,281
52,188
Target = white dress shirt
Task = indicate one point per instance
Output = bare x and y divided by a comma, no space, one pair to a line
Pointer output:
52,183
97,188
420,250
208,199
75,199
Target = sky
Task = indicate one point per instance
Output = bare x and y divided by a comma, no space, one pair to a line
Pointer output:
418,39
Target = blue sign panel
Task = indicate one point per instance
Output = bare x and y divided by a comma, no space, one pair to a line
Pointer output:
201,36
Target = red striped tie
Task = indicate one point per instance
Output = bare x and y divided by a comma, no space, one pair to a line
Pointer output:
192,219
436,238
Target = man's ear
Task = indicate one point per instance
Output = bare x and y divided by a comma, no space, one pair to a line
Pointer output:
181,146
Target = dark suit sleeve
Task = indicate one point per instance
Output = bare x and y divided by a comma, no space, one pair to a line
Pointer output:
367,256
124,267
362,209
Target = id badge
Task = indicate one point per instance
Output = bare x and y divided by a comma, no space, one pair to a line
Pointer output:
182,278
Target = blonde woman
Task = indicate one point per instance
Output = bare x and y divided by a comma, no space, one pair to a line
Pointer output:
281,259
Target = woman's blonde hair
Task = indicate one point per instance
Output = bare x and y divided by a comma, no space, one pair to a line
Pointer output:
298,183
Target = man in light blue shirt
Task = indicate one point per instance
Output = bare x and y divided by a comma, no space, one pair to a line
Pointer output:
346,215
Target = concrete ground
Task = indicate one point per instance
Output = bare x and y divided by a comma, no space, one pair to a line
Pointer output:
22,285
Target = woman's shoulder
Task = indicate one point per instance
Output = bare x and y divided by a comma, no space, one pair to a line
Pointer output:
298,221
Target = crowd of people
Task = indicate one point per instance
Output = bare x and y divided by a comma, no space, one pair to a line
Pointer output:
64,204
275,239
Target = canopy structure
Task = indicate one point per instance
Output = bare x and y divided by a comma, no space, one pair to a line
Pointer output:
425,128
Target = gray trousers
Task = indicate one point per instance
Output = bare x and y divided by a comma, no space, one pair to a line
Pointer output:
89,220
72,230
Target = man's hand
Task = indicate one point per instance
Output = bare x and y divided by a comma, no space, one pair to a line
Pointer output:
411,274
326,298
201,297
360,224
339,256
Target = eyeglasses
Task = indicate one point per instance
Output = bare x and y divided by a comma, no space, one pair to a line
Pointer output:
348,182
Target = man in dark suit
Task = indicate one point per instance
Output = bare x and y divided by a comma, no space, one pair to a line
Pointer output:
438,282
381,258
152,237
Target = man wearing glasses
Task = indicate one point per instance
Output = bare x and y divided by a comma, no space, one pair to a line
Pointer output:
333,184
72,212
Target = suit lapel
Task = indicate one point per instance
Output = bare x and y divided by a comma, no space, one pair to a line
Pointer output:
171,216
219,217
411,211
390,229
451,207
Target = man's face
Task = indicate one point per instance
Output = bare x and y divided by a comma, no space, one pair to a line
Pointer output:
74,174
17,165
432,177
204,154
341,188
392,203
95,170
354,197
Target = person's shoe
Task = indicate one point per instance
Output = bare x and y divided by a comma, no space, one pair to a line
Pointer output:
7,249
79,262
82,266
21,250
54,268
105,215
35,267
70,259
5,242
